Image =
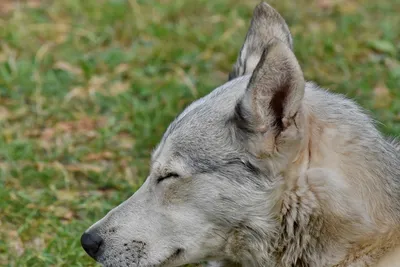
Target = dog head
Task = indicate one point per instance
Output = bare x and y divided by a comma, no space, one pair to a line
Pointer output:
213,175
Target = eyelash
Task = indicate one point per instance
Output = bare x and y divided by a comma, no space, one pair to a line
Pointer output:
168,175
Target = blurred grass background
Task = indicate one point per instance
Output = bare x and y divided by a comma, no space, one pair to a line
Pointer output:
88,87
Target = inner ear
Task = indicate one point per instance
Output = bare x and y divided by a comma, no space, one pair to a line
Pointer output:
277,104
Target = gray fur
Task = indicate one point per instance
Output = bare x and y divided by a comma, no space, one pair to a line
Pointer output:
267,171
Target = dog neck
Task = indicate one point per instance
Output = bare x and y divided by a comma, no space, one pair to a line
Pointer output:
322,223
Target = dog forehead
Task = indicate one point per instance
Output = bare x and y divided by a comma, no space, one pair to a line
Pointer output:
221,98
199,127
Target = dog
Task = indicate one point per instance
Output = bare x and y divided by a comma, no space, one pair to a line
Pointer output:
266,170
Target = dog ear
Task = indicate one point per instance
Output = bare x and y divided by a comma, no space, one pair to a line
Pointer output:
275,91
265,25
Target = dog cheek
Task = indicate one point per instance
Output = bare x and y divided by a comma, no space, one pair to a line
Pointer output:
177,192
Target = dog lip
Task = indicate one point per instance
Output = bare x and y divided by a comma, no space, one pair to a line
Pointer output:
177,253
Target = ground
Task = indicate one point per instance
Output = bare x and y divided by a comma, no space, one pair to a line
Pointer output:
87,88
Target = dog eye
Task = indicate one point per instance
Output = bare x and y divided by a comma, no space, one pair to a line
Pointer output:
168,175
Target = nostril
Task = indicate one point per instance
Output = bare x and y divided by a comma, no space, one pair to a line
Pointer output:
91,243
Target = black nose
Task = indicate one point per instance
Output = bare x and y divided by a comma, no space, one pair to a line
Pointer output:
91,243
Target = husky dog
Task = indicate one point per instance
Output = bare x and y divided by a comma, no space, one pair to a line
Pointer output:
266,170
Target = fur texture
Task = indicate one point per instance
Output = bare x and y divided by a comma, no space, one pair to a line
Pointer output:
266,170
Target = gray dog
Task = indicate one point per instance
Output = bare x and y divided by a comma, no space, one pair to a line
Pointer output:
266,170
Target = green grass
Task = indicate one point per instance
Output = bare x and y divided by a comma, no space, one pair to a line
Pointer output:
88,87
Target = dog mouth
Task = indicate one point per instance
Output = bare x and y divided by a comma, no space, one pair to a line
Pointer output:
173,257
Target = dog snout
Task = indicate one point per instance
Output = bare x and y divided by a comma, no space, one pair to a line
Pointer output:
91,243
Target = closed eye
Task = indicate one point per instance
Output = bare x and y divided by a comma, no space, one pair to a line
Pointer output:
167,176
